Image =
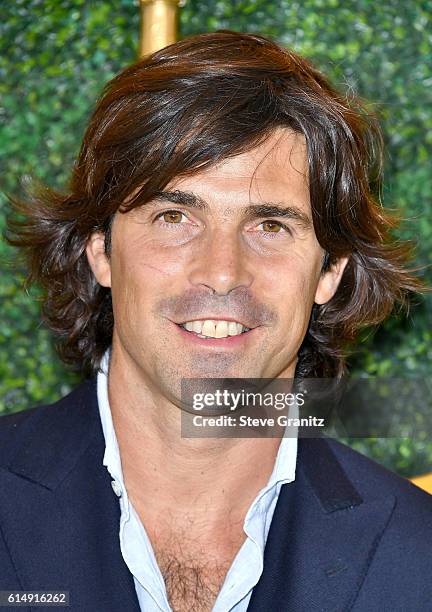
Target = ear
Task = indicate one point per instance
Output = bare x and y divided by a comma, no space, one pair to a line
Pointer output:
329,281
98,260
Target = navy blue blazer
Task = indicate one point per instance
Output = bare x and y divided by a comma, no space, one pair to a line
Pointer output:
347,534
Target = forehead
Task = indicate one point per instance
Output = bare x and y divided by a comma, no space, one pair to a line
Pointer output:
277,168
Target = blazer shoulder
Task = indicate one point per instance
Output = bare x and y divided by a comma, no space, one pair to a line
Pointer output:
373,480
13,427
17,428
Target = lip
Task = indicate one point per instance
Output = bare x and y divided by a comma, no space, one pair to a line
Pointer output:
225,343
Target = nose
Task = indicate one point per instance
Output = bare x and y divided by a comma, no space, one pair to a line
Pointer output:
220,264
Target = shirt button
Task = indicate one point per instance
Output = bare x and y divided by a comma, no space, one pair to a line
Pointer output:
116,488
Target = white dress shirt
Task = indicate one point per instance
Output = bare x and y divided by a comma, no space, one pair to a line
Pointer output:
137,549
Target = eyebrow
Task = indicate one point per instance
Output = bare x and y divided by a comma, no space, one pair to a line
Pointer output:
252,211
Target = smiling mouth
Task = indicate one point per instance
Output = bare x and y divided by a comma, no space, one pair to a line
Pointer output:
210,328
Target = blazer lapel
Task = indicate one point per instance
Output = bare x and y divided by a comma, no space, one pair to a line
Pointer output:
59,514
322,538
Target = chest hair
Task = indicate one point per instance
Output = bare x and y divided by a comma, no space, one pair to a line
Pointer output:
193,575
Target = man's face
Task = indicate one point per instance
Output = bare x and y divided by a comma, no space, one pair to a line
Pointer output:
233,244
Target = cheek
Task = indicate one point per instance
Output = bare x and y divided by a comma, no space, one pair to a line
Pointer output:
291,285
151,260
142,273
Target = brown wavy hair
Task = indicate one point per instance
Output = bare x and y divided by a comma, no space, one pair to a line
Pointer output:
184,108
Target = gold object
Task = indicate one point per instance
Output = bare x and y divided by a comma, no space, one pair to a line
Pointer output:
159,24
424,482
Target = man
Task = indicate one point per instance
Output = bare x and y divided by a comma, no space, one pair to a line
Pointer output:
220,223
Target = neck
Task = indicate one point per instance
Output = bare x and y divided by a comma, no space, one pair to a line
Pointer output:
203,479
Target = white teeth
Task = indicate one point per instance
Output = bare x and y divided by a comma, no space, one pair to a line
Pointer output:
221,330
215,329
232,328
197,326
208,329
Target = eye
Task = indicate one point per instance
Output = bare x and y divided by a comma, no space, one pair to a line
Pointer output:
274,227
171,216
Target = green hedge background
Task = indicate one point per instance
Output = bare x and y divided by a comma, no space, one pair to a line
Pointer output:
56,57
